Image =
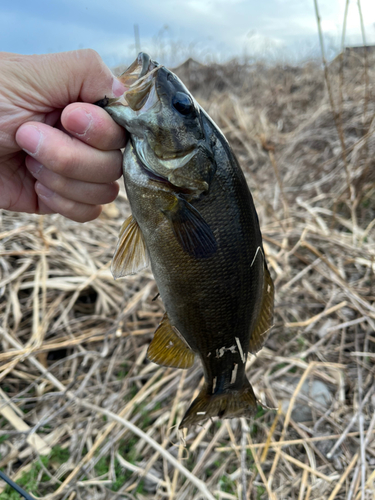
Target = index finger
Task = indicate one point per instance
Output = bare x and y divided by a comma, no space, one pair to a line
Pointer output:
92,125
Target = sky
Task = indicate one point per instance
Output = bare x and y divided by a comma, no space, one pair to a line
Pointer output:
172,30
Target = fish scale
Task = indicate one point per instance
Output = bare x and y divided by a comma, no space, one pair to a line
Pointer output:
197,219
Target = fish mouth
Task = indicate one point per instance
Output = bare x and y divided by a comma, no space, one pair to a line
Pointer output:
147,92
141,95
139,68
139,80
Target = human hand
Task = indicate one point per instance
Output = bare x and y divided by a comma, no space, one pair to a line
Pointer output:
58,154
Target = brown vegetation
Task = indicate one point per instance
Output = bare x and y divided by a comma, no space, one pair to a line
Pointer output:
73,341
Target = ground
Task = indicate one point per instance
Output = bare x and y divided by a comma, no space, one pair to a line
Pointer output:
73,341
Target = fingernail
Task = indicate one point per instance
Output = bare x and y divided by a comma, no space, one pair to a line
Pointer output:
78,121
117,88
29,138
33,165
43,191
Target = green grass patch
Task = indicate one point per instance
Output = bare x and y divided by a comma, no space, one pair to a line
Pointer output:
278,367
126,450
260,492
123,371
301,342
29,480
4,437
122,475
260,412
60,455
227,485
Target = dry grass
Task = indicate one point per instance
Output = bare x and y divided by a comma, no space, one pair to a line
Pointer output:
73,342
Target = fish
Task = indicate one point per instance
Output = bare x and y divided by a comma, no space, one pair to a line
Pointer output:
193,220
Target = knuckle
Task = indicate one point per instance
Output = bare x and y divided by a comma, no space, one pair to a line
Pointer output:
66,162
93,59
60,184
79,212
113,192
68,208
114,170
92,54
108,195
86,213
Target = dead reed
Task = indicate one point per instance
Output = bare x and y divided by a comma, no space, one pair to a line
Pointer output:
84,415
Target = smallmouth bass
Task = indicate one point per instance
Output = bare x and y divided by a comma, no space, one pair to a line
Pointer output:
193,219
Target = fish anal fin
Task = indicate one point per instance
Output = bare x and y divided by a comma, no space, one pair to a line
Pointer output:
263,323
191,230
168,349
131,254
228,404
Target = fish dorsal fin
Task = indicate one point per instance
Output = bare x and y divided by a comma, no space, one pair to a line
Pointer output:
168,349
191,230
263,323
131,254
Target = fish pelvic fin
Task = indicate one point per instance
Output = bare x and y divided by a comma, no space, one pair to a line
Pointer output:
168,348
264,320
227,404
131,254
191,230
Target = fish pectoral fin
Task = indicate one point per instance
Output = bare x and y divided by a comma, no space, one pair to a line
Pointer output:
131,253
168,349
227,404
263,323
191,230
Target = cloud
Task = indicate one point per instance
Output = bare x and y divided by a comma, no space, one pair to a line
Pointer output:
214,29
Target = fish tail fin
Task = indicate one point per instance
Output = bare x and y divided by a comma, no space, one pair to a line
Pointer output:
226,404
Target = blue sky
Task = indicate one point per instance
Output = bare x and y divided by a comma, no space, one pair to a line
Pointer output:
172,30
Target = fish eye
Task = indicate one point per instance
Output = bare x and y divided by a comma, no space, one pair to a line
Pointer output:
182,103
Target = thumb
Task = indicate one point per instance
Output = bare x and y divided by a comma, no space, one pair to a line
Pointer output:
62,78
